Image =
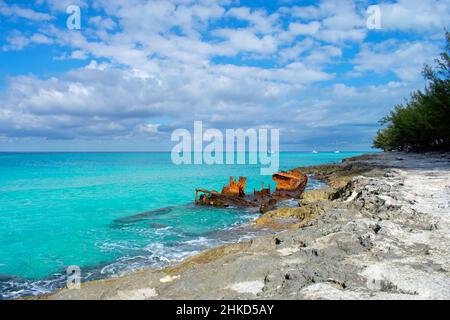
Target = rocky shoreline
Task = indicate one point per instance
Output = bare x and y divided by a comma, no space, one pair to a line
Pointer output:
380,231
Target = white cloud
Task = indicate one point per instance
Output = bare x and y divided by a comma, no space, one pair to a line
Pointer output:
16,41
216,61
244,40
415,15
61,5
102,23
259,21
101,94
149,128
340,21
310,28
405,59
16,11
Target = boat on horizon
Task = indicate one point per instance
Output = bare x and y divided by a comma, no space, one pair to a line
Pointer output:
336,148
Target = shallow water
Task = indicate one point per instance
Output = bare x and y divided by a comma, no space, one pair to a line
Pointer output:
112,213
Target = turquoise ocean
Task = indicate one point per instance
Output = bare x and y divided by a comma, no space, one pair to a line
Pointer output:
113,213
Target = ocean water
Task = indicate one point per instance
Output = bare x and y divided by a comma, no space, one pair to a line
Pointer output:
113,213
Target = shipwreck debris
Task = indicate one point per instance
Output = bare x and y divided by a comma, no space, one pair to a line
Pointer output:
290,185
263,192
235,188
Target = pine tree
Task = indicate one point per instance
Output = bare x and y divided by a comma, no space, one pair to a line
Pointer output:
422,123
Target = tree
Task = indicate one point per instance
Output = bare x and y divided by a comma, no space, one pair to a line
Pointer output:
422,123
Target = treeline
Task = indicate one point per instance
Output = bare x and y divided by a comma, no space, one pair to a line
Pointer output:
422,123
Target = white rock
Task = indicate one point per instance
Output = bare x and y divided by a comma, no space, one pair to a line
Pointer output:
169,278
137,294
287,251
253,287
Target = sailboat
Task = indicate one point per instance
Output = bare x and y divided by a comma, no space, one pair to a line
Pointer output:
315,151
336,148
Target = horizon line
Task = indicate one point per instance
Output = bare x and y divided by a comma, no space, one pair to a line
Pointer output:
122,151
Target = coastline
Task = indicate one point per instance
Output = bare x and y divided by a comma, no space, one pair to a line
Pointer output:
381,231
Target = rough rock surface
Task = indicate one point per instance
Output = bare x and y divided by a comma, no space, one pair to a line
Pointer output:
382,232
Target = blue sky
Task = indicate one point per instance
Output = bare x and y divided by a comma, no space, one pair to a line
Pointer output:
139,69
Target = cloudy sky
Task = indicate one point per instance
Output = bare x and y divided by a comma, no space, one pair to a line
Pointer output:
138,69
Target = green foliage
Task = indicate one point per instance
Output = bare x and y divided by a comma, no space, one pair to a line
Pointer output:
422,123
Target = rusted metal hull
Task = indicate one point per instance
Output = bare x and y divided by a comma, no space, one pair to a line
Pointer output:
290,185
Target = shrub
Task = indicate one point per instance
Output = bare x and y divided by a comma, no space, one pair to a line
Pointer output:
422,123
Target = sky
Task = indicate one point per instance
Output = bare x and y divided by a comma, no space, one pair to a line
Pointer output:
138,69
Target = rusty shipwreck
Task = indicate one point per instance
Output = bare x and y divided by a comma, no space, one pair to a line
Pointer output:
289,185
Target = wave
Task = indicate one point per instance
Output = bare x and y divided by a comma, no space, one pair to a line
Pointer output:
133,258
155,255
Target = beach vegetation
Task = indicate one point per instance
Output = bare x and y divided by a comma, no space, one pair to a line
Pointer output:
422,122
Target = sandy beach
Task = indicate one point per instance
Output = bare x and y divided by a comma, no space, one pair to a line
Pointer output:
380,231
